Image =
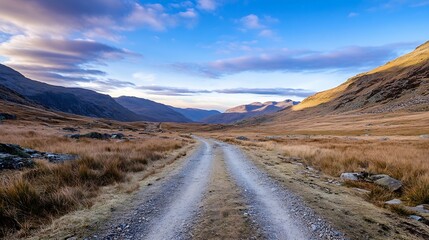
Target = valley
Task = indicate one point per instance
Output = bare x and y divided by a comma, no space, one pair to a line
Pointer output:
126,120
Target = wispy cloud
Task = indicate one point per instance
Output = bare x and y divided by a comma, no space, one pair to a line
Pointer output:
253,22
60,41
303,60
208,5
172,91
59,60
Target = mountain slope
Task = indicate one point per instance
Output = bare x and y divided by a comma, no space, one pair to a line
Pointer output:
149,109
248,111
71,100
195,114
400,84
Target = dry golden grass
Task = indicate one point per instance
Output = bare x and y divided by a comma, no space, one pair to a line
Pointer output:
406,160
33,197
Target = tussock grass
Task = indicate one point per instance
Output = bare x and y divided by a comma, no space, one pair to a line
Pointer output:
406,160
33,197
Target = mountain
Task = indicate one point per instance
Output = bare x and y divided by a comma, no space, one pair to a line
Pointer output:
402,84
70,100
250,110
9,95
195,114
149,109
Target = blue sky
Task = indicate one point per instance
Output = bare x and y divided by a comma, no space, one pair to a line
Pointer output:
207,53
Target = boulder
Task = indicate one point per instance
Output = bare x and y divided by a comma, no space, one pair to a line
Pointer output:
53,157
387,182
419,209
93,135
7,116
117,136
243,138
13,150
424,136
9,161
394,202
351,176
70,129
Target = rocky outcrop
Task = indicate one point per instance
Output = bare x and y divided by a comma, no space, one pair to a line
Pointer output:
382,180
15,157
97,135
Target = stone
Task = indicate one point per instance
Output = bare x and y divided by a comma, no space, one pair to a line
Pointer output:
351,176
70,129
52,157
415,217
387,182
117,136
7,116
13,150
419,209
424,136
394,202
9,161
243,138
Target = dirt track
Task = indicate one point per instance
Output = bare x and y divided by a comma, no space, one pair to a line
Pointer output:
217,193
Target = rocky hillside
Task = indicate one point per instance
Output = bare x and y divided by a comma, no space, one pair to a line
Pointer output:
70,100
402,84
249,110
157,112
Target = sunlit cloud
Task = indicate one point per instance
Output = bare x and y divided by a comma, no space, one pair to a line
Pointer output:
293,61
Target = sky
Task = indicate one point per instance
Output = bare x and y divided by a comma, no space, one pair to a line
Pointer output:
211,54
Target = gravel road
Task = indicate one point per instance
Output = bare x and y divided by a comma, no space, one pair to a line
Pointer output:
165,210
169,208
279,213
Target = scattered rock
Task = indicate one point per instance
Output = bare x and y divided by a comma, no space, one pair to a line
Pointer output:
7,116
419,209
424,136
93,135
70,129
15,157
117,136
13,150
351,176
394,202
9,161
415,217
243,138
387,182
360,190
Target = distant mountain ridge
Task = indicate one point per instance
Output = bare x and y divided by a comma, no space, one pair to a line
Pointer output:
250,110
70,100
157,112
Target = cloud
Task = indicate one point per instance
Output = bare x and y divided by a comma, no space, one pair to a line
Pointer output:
43,39
353,14
256,23
171,91
251,21
268,91
59,60
208,5
303,60
95,16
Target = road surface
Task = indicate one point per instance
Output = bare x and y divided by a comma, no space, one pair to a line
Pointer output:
193,202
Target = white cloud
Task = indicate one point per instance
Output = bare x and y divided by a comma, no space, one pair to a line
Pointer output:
251,21
208,5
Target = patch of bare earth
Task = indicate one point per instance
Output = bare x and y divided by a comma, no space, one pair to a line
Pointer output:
343,207
224,214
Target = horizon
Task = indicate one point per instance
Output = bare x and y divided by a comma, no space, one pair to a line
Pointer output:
207,54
